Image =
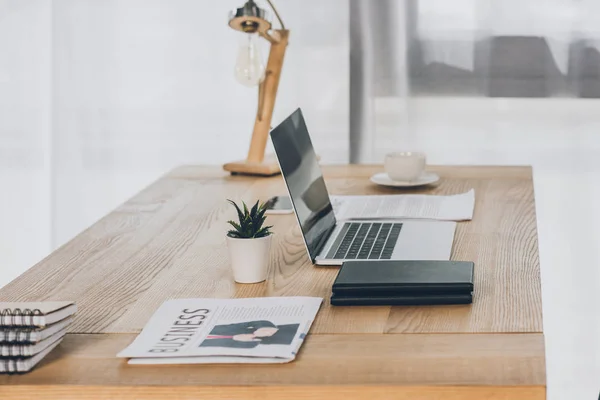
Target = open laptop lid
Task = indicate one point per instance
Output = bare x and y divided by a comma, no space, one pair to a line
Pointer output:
304,180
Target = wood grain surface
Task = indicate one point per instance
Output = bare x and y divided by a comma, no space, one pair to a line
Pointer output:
364,360
346,392
169,242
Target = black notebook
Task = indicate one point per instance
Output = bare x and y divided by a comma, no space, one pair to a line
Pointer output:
403,282
399,300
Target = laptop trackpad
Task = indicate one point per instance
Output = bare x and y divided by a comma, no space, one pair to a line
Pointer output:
425,240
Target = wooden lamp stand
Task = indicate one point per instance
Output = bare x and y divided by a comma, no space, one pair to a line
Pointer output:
250,19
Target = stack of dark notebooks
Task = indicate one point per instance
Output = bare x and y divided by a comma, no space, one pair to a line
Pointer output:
377,283
29,331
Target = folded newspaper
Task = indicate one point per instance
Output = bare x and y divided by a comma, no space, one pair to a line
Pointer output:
202,331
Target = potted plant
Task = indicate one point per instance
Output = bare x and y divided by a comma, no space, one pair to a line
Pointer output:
249,244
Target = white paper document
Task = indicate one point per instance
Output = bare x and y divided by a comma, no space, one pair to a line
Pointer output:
407,206
201,331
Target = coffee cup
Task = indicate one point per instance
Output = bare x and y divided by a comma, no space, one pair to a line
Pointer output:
404,166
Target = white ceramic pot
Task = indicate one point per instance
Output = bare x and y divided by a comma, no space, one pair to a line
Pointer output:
249,258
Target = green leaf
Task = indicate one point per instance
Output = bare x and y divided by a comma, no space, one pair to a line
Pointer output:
253,216
263,232
253,210
249,232
260,218
251,221
235,225
239,212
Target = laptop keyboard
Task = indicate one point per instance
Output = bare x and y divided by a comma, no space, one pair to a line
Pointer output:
368,241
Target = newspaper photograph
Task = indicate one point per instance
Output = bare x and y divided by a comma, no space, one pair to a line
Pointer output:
250,330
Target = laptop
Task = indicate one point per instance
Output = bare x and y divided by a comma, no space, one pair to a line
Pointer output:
331,242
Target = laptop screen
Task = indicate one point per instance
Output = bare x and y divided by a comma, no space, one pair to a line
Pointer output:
304,180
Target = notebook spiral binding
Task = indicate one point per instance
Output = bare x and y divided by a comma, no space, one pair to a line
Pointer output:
11,351
16,334
9,317
10,366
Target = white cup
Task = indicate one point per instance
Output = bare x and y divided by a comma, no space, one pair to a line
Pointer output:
404,166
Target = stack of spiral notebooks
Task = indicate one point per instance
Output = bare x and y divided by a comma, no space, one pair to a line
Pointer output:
29,331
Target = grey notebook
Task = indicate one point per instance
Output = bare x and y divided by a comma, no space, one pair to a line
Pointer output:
20,365
30,349
31,335
35,314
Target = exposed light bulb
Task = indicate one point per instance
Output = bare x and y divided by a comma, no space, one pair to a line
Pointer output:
249,68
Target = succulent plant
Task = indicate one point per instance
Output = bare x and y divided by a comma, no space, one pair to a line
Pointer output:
250,224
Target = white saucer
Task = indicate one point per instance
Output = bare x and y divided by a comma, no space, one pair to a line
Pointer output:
425,179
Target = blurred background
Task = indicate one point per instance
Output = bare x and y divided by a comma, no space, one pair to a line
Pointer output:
98,98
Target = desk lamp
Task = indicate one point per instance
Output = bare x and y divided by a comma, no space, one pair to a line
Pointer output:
252,21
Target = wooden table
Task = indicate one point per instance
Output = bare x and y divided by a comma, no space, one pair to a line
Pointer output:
169,242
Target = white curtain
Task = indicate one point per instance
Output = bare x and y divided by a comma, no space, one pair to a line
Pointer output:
473,81
98,98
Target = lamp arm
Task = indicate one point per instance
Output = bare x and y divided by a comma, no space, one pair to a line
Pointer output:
261,100
276,14
273,36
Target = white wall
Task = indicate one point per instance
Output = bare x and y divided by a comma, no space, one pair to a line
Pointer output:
25,90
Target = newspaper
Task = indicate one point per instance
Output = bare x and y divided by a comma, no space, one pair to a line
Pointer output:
457,207
199,331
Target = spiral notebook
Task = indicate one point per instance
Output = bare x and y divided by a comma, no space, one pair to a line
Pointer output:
29,349
20,365
31,335
35,314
